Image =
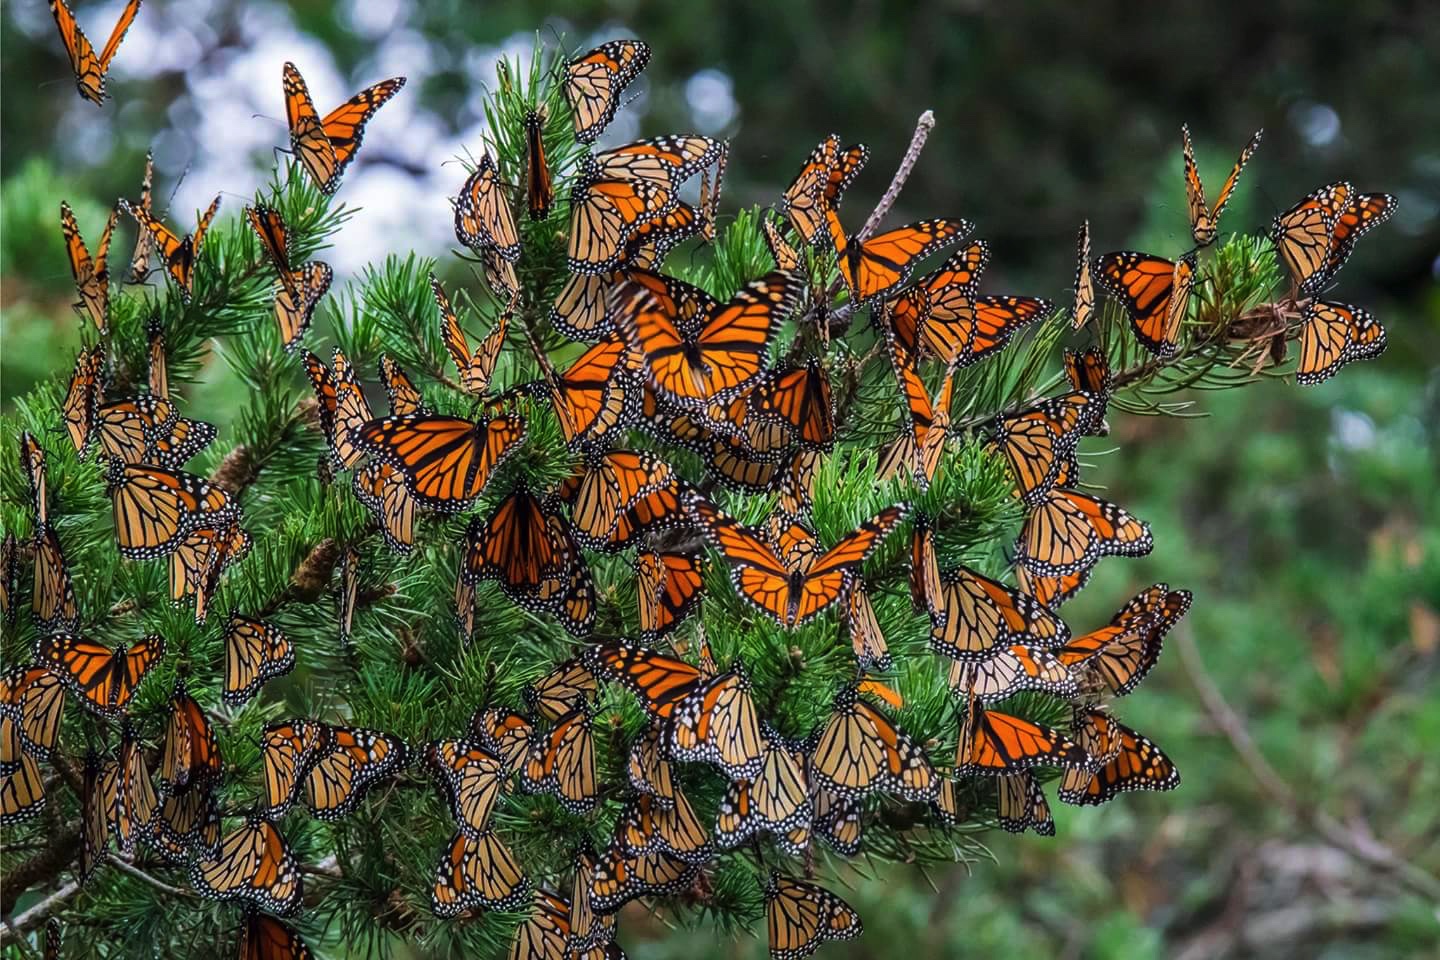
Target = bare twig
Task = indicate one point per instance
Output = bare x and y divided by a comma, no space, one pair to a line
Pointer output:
125,866
36,915
1360,842
923,126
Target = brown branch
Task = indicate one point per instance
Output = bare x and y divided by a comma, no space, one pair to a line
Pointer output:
41,869
37,914
923,126
1359,841
125,866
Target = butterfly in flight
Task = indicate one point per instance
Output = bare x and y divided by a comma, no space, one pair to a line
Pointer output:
89,69
1205,219
326,147
1154,291
92,276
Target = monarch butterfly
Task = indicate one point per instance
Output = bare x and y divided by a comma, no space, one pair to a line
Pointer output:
287,752
9,577
296,299
187,823
1355,219
1021,805
799,398
1010,669
1051,591
872,267
588,935
1155,293
623,189
1038,442
32,465
695,349
860,751
349,592
255,651
446,461
820,184
144,242
606,484
559,691
993,743
1332,335
595,80
52,605
1123,651
326,147
32,701
382,490
400,390
137,802
483,220
348,763
274,235
22,790
529,549
105,678
646,826
717,723
948,315
504,733
922,443
471,777
476,368
197,565
477,871
1084,305
539,191
835,819
464,608
157,373
544,933
178,254
265,938
128,429
710,198
659,681
799,916
253,863
190,756
340,405
156,509
99,799
791,594
1088,371
1099,736
562,763
92,277
90,70
866,639
777,801
582,309
786,256
618,879
594,395
669,586
1067,531
971,616
82,398
647,768
1138,765
1204,219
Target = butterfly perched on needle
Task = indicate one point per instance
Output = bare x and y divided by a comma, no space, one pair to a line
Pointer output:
326,147
89,69
1205,219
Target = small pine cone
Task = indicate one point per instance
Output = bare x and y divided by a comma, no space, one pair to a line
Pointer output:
312,577
236,471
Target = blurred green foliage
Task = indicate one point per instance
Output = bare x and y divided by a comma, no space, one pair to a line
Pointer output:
1307,522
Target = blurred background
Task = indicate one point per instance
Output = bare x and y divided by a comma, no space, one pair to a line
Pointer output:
1299,697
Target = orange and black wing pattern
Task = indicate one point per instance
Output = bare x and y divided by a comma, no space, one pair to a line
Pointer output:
104,678
90,69
253,863
1333,334
883,263
1154,291
670,586
1067,531
799,916
326,147
1138,765
595,80
992,744
1205,219
1123,651
92,275
445,461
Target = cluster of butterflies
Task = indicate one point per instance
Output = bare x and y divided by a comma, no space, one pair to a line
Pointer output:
693,372
1312,239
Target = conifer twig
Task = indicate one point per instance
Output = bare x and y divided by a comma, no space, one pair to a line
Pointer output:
125,866
36,915
923,126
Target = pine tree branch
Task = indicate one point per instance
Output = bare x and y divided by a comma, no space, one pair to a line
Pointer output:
41,869
125,866
33,917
